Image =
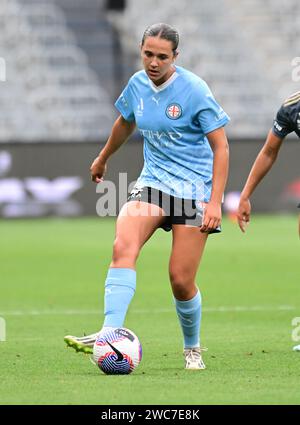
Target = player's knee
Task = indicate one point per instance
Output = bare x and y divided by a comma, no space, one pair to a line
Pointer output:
182,282
124,249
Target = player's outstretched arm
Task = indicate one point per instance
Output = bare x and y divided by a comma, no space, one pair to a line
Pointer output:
121,130
264,161
212,214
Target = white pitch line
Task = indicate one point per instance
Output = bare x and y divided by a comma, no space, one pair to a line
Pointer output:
221,309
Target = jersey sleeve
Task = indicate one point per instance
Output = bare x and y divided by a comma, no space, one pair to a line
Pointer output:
282,125
209,114
124,103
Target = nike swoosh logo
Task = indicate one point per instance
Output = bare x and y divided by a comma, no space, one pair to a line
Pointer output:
120,356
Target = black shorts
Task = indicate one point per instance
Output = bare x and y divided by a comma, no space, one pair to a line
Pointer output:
177,210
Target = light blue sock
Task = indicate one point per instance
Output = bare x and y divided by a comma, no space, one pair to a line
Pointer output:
189,314
119,289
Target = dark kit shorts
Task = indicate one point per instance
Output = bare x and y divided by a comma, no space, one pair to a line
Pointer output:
177,210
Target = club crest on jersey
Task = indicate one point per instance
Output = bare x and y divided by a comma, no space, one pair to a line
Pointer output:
174,111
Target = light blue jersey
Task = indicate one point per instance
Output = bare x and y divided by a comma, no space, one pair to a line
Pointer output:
173,119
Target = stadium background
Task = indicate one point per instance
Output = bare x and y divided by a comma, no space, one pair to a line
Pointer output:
63,64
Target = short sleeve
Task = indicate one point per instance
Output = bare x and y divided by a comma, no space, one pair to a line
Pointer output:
210,115
282,125
124,103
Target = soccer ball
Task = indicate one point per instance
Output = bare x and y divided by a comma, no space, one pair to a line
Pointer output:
117,351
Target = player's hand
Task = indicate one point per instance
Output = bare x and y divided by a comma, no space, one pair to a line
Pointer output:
98,170
243,215
212,216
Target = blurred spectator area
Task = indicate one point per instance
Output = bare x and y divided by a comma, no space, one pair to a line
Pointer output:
67,60
60,70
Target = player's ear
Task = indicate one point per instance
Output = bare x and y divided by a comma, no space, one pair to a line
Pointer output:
176,53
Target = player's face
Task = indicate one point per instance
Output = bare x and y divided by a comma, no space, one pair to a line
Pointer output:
158,58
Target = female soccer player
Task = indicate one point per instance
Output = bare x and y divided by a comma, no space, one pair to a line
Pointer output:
180,188
287,120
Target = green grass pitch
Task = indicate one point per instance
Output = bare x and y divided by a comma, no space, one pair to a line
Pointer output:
52,278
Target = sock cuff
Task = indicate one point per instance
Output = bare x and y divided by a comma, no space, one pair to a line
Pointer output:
189,304
121,277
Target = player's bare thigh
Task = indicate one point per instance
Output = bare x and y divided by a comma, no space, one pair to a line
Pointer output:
136,223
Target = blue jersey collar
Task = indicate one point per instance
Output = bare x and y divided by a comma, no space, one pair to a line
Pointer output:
164,85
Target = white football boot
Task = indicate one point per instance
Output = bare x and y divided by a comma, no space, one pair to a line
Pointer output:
296,348
193,358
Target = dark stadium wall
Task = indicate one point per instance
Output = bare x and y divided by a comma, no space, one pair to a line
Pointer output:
46,179
279,191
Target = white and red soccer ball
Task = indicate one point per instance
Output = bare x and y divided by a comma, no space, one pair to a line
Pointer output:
117,351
